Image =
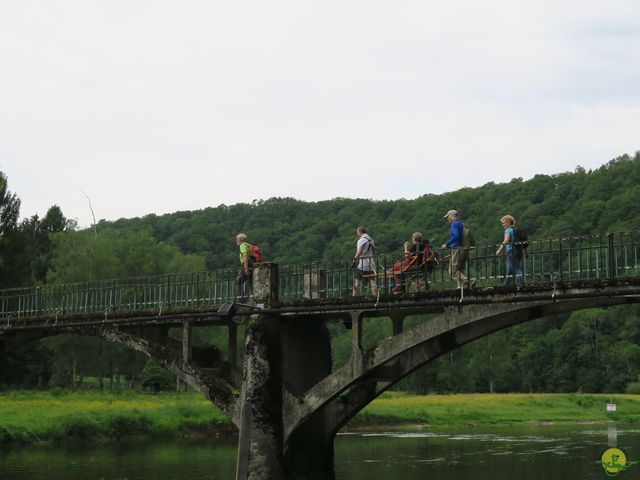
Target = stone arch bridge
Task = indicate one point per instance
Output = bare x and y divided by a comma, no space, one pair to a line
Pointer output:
287,400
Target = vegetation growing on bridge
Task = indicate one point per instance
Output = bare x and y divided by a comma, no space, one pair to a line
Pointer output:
591,351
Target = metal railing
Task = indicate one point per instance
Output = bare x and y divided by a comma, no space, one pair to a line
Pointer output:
196,289
543,262
550,261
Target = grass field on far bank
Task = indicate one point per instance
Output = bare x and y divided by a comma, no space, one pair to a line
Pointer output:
33,417
483,409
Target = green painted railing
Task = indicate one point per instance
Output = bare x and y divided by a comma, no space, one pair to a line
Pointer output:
557,260
197,289
549,261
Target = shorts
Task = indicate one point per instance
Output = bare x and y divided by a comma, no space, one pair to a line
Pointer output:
458,261
364,274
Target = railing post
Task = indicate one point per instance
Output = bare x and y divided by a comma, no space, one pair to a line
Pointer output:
39,306
467,253
315,284
611,263
265,283
560,257
168,295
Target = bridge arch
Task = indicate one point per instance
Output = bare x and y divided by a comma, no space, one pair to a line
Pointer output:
218,382
341,395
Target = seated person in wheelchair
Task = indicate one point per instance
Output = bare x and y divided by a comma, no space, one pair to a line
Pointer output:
417,262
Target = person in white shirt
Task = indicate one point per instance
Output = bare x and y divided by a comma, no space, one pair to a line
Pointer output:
366,268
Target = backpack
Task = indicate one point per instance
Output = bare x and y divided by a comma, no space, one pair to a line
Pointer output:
430,257
521,239
371,248
255,253
467,238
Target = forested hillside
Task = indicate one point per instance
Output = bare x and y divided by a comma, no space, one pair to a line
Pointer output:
292,230
595,350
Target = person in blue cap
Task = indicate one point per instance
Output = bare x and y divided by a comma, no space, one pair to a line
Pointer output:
458,259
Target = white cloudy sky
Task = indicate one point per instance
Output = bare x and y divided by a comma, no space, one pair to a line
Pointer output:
159,106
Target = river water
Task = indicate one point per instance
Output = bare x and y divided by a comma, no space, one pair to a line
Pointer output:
522,453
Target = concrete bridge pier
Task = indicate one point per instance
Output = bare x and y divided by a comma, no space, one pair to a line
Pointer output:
260,449
283,359
306,359
397,321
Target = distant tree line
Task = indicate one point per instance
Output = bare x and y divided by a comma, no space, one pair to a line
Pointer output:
594,350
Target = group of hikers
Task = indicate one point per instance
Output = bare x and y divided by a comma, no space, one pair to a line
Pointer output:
418,260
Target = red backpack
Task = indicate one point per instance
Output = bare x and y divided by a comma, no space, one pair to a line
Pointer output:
255,253
430,256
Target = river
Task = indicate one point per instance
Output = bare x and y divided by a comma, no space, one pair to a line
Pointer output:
496,453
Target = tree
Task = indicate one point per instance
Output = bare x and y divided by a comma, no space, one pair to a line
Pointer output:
14,263
156,378
39,232
79,256
9,208
29,366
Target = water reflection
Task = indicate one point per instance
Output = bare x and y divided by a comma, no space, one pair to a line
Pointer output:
479,454
135,460
494,453
612,435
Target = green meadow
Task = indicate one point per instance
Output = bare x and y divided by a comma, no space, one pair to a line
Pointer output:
58,416
496,409
28,417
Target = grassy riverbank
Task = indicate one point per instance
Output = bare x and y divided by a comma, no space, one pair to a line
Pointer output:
482,409
32,417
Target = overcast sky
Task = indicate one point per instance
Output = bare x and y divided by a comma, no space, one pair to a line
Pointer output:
159,106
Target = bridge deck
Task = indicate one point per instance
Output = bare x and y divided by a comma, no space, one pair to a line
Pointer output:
558,264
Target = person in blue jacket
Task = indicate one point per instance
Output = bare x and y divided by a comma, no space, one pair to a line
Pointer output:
458,259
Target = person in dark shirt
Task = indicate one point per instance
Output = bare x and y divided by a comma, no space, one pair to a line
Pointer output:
412,262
